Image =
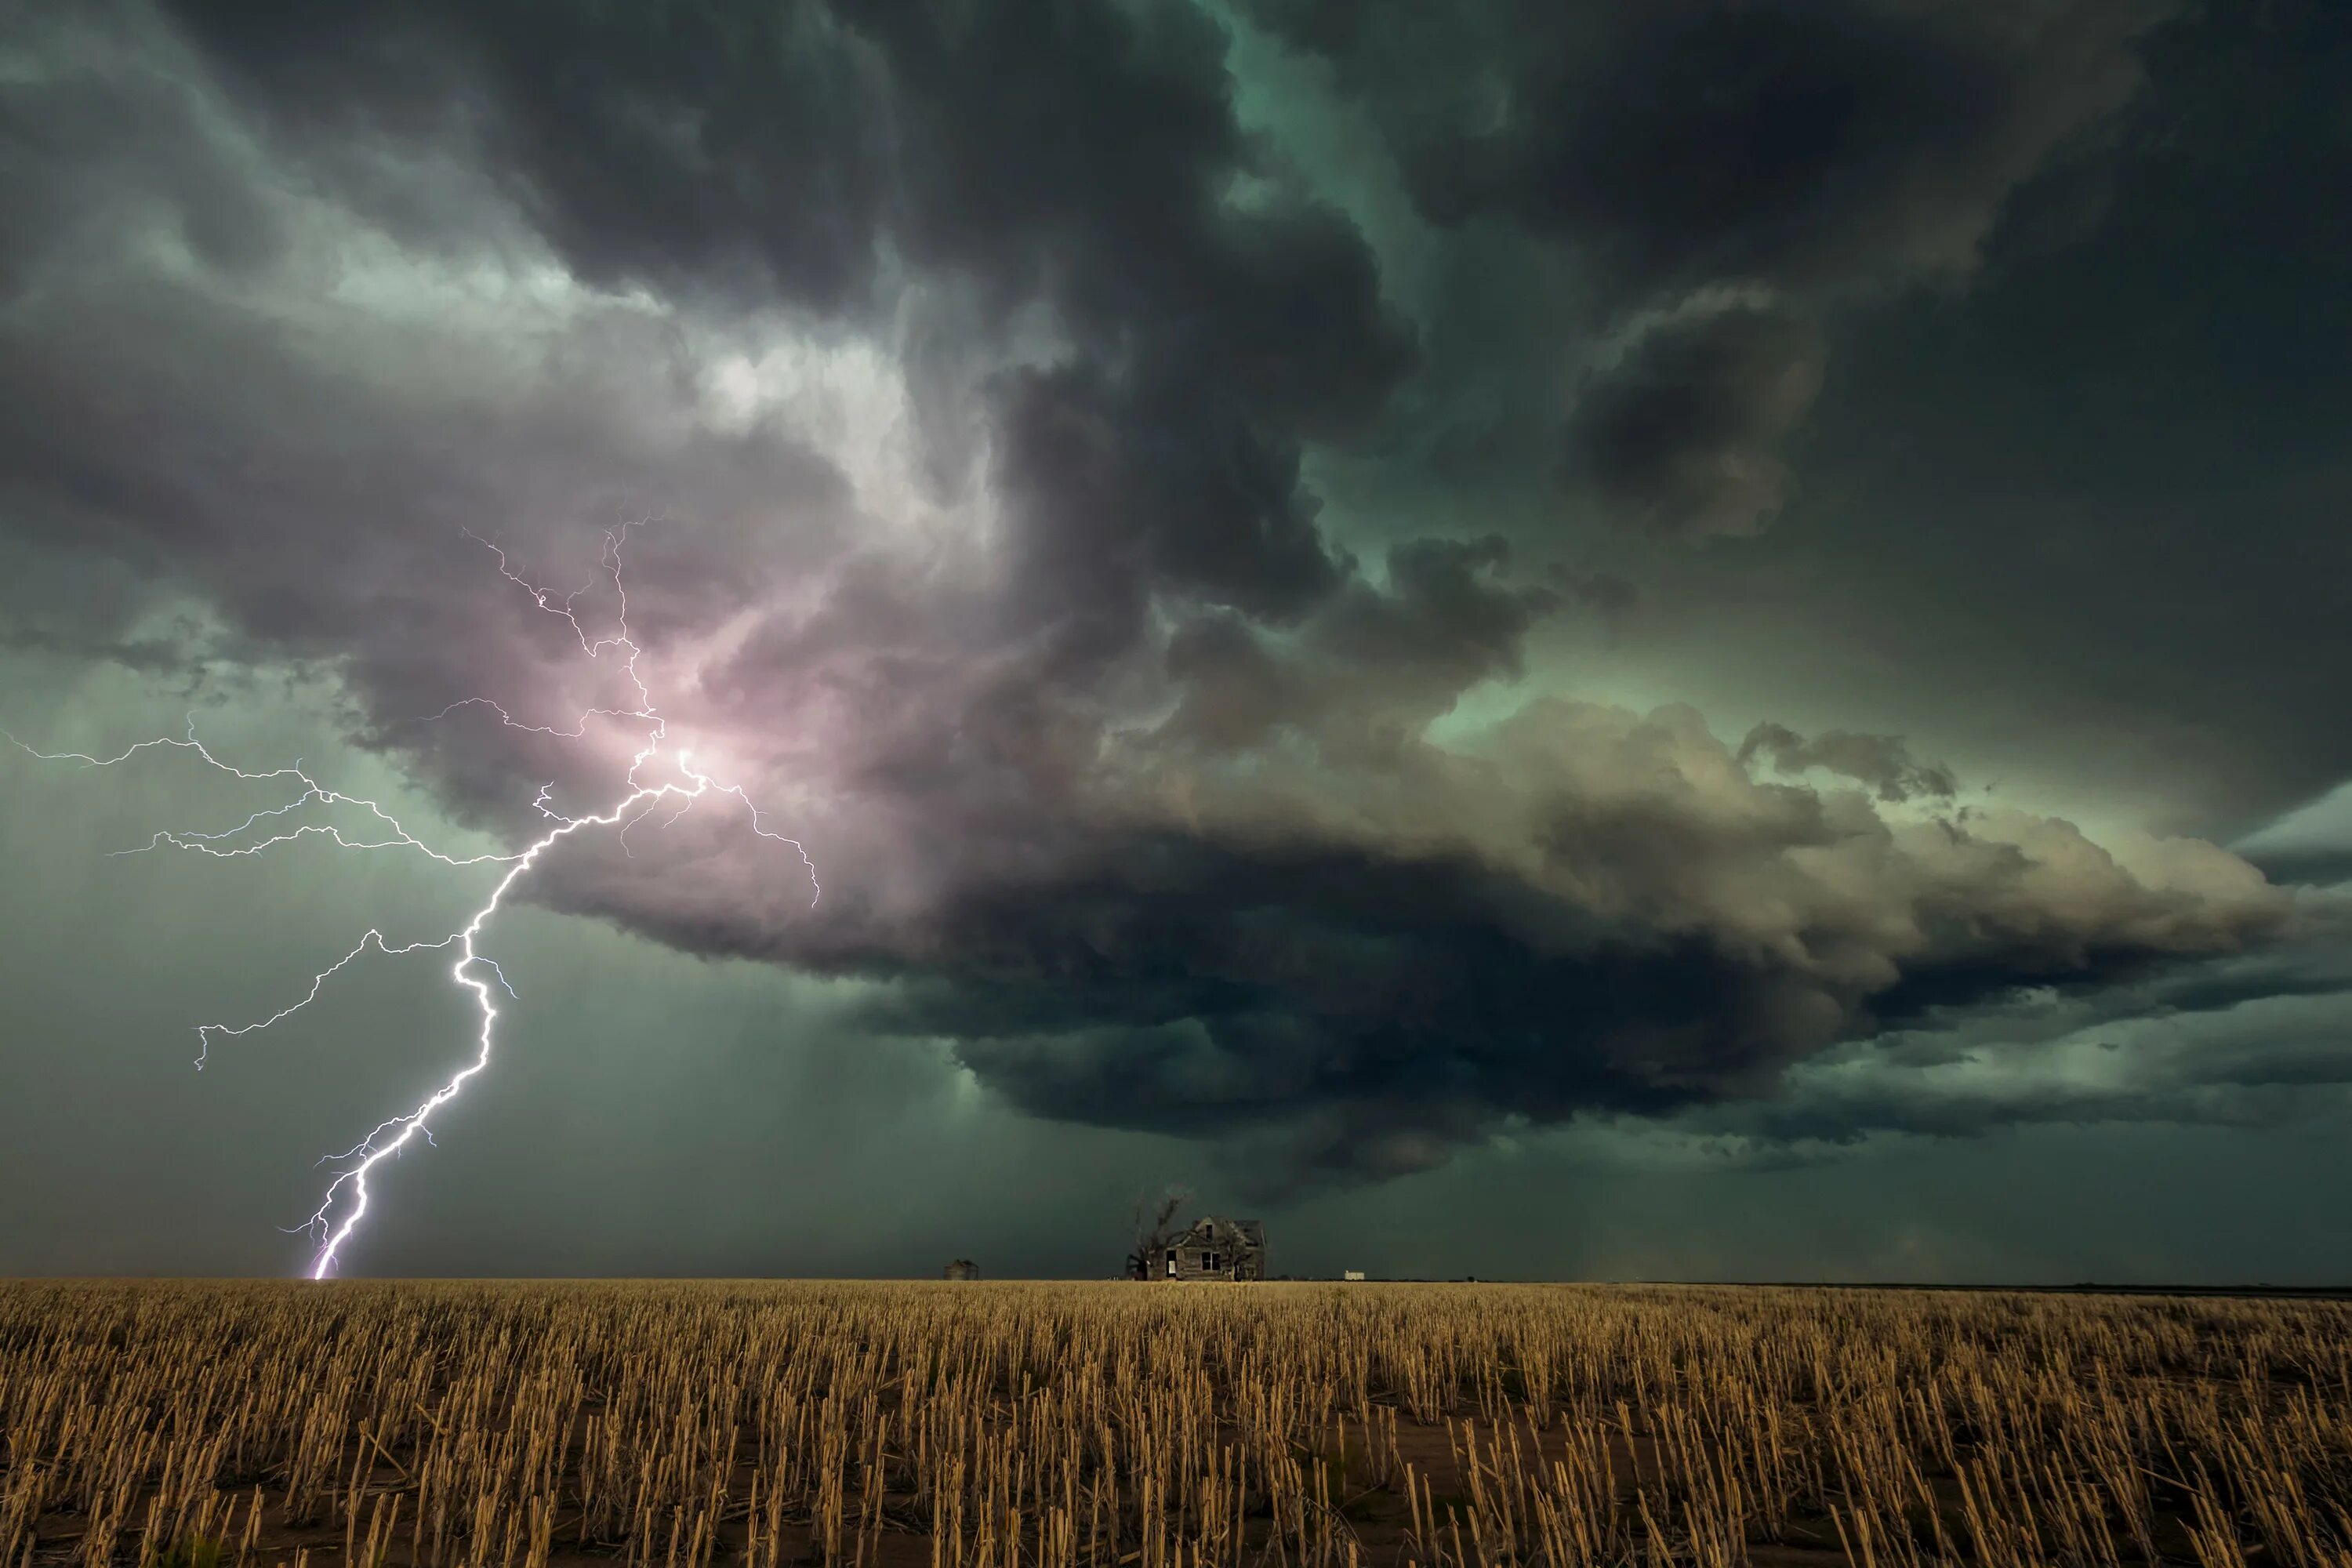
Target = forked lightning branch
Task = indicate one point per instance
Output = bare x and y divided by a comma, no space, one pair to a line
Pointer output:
658,777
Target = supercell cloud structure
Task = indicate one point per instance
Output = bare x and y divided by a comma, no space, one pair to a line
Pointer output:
984,376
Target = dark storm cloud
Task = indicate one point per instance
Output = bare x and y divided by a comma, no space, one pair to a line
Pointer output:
1369,670
1882,761
1116,760
74,606
1211,507
1613,920
2253,1039
1083,154
2274,1065
2118,464
2310,845
687,144
1802,154
1680,436
1797,145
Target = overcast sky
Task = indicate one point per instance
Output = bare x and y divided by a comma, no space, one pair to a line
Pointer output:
1693,640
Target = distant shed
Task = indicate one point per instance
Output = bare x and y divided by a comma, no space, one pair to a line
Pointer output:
963,1268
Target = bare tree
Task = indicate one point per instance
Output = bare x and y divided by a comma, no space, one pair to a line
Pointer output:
1152,1235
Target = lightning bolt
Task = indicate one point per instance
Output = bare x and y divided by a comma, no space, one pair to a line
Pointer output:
344,1204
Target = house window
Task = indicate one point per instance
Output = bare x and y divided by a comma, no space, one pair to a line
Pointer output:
1209,1261
1171,1263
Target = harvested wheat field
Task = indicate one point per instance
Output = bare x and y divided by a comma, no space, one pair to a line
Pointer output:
683,1425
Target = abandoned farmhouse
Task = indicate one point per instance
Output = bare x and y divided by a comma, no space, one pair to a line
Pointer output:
1214,1248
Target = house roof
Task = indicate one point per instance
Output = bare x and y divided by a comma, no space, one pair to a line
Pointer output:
1211,1231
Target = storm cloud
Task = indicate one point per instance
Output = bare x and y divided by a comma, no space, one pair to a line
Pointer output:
963,376
1881,762
1725,177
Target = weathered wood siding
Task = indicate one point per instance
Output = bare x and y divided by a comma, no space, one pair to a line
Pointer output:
1213,1250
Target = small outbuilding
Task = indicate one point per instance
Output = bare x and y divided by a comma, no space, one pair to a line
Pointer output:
963,1268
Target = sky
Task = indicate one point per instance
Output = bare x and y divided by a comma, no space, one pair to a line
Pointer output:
1532,639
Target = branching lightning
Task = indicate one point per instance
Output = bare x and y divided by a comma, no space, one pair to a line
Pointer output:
344,1204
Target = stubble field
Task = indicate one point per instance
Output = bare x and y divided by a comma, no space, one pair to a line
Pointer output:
685,1425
